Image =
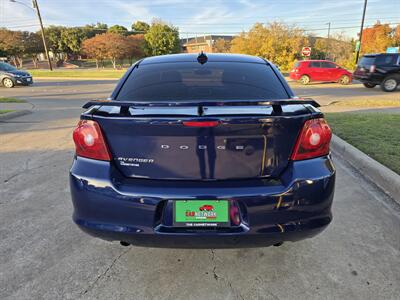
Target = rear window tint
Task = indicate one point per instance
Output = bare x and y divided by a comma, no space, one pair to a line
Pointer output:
366,61
193,81
296,64
386,60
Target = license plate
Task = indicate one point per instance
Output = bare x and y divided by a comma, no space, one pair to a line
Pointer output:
201,213
29,79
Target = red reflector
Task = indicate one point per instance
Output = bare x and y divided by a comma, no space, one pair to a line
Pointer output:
313,140
89,141
201,123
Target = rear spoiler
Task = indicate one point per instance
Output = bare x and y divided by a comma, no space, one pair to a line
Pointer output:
276,104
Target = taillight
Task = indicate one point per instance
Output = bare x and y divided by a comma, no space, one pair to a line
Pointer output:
201,123
89,141
372,68
313,140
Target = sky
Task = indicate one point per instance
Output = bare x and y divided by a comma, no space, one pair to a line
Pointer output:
198,17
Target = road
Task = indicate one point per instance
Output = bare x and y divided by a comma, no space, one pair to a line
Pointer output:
43,255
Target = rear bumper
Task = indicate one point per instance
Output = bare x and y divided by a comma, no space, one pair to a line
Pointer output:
140,211
368,78
294,76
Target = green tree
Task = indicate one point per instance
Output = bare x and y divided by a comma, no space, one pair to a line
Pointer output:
162,39
54,40
118,29
33,46
140,27
72,39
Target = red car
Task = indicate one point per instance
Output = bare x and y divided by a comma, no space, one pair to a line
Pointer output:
306,71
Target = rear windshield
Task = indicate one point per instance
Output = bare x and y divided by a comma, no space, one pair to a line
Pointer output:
366,61
210,81
386,60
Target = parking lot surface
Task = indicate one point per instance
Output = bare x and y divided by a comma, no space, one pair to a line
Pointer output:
43,255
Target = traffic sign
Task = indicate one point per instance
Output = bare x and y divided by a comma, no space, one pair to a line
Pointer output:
306,51
392,50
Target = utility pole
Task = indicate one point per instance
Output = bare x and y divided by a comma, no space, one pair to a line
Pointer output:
327,42
36,6
361,31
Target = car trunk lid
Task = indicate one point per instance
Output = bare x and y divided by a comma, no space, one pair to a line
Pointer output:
208,141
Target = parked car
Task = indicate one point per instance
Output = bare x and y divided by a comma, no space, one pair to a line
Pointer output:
306,71
11,76
181,131
379,69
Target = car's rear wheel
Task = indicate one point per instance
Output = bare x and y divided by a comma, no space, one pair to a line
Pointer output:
344,79
305,79
389,84
8,83
369,85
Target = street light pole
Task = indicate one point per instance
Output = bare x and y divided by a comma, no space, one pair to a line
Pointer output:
329,36
361,31
36,6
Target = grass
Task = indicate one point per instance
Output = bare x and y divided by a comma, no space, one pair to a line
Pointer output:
368,103
74,73
11,100
4,111
376,134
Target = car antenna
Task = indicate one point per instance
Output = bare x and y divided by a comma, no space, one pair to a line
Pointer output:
202,58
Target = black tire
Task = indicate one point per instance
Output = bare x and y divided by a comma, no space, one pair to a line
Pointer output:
369,85
389,84
344,80
8,83
304,79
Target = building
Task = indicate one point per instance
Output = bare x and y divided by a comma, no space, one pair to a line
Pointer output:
202,43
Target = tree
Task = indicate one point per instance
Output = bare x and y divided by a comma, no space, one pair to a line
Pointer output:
140,27
33,46
108,45
12,43
338,48
55,42
162,39
71,39
136,46
222,46
275,41
118,29
377,38
95,47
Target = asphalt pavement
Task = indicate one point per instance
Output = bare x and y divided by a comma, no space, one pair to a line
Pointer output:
43,255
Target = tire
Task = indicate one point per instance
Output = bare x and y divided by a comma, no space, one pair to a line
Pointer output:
389,84
304,79
344,80
369,85
8,83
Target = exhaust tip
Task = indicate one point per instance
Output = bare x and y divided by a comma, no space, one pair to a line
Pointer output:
125,244
278,244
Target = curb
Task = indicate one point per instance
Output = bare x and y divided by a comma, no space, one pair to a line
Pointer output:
383,177
14,114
